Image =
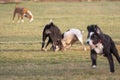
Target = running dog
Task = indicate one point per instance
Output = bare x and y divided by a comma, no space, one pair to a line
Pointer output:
103,44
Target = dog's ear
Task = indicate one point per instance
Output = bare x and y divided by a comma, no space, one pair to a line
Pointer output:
51,22
88,28
97,30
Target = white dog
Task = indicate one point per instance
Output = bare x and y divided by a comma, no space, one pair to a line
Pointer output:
71,36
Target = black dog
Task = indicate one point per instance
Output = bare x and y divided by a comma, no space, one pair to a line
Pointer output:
101,43
54,37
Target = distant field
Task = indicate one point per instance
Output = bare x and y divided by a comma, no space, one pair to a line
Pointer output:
20,43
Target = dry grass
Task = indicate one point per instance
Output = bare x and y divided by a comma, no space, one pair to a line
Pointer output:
20,54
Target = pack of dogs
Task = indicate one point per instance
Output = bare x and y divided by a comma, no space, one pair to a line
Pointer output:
99,43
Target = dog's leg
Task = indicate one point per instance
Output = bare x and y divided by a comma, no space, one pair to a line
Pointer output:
42,48
83,46
18,18
22,18
81,41
49,41
115,52
117,56
14,16
111,62
93,58
43,40
64,44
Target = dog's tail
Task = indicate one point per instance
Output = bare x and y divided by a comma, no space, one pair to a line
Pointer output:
16,5
14,12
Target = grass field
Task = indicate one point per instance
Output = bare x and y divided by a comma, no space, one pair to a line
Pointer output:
20,43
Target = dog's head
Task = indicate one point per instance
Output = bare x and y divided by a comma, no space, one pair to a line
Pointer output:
49,28
29,15
94,35
94,28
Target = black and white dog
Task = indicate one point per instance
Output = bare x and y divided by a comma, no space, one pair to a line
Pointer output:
101,43
53,33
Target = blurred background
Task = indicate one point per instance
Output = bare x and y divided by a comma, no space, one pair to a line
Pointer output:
8,1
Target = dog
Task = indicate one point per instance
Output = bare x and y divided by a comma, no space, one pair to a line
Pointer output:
101,43
22,12
71,36
53,33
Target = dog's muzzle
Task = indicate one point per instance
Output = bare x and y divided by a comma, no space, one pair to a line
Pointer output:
92,46
31,19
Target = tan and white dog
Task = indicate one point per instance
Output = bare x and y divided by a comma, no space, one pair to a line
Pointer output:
22,12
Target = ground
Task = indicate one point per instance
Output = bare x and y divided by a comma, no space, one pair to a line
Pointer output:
20,43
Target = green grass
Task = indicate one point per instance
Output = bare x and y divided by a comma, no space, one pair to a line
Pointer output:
70,65
65,16
20,43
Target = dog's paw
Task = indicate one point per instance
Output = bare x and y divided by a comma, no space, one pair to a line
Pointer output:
22,20
13,21
43,49
85,49
111,73
94,66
